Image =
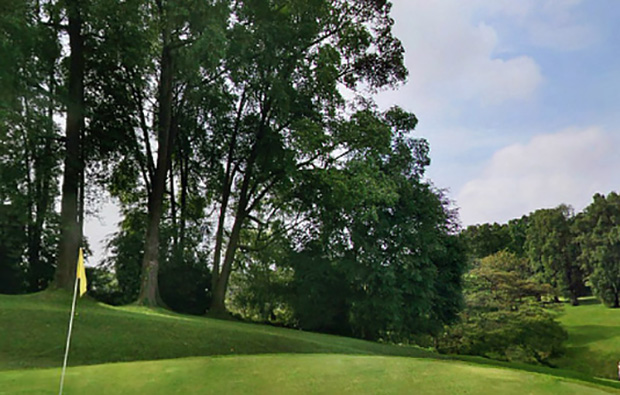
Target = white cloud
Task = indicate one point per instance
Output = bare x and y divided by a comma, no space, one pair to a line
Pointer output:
564,167
553,24
452,59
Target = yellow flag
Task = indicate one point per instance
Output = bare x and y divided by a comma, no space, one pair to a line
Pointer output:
81,273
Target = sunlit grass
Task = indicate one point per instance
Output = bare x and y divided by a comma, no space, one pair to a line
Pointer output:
33,330
293,374
594,339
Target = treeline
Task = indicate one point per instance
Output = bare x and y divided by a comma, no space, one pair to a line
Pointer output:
246,180
520,271
576,253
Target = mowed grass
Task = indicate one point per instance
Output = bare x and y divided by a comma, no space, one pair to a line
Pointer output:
235,357
292,374
33,331
593,345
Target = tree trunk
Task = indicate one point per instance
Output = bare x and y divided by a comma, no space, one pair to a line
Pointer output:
149,286
184,168
220,282
69,228
228,182
218,303
574,300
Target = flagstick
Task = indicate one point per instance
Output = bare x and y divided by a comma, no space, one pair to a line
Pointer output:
64,364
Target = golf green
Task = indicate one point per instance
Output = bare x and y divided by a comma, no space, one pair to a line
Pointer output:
292,374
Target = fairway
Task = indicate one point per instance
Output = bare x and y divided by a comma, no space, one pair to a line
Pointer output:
292,374
593,345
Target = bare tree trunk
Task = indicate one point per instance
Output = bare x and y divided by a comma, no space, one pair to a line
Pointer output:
184,168
69,227
149,287
218,303
39,272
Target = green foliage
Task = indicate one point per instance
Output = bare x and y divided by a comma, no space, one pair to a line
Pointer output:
552,252
319,292
12,244
28,142
259,285
598,229
185,283
103,286
125,258
185,280
506,316
487,239
378,258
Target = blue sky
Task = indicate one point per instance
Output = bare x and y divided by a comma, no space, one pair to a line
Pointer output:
518,99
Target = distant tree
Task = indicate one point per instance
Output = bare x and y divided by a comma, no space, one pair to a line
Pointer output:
552,252
12,275
504,317
517,229
125,254
260,287
598,238
486,239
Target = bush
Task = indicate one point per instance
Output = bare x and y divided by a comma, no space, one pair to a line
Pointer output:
505,317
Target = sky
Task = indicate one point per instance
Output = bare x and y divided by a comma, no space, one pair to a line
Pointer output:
519,100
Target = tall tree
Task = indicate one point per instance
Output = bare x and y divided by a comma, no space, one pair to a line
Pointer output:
552,253
375,256
390,236
598,237
29,50
184,26
149,292
70,227
285,62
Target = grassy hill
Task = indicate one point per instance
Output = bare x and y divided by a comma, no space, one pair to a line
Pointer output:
593,345
33,329
214,356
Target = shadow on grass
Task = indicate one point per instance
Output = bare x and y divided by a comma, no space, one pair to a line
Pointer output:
584,334
588,301
581,359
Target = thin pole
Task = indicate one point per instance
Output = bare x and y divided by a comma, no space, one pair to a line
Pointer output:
64,364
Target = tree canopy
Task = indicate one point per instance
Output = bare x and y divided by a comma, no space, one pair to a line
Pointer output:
223,131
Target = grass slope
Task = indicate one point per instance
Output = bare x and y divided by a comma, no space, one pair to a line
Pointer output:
593,345
33,329
298,374
33,332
